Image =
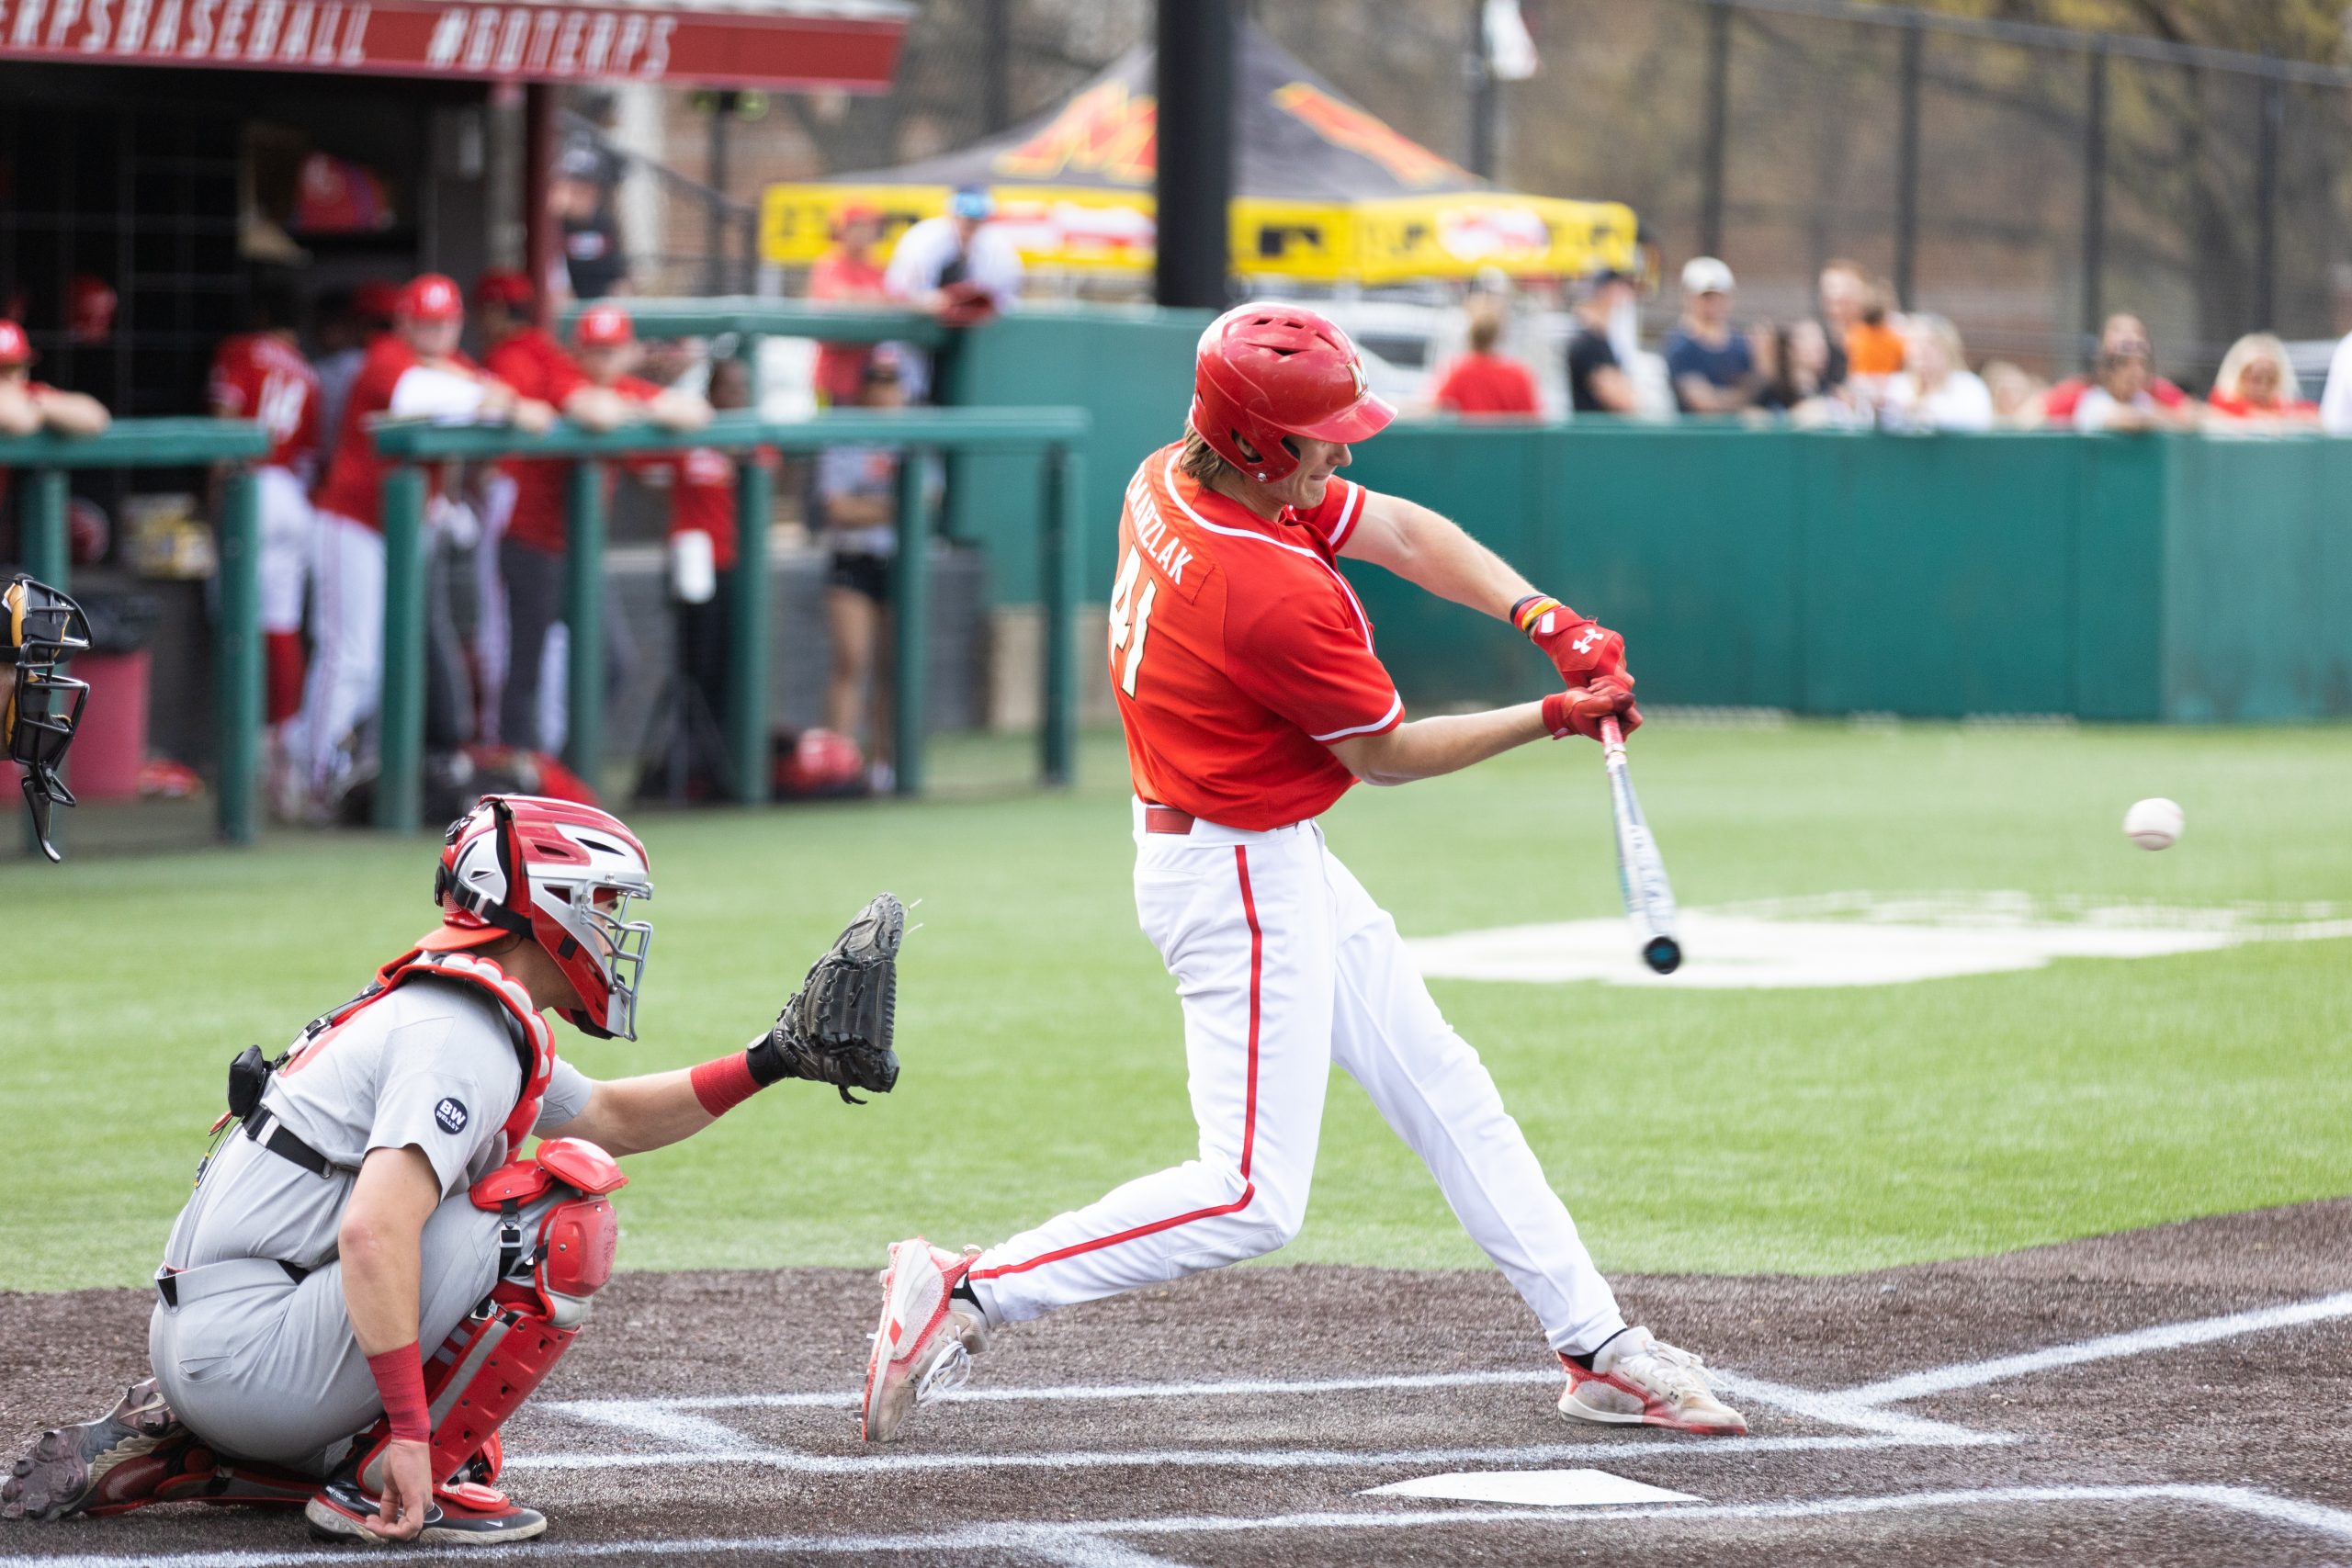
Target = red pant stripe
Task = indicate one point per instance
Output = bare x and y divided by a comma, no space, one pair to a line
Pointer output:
1250,1113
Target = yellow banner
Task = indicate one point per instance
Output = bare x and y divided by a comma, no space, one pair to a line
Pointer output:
1084,230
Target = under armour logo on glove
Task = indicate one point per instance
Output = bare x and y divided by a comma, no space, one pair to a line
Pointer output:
451,1115
1588,642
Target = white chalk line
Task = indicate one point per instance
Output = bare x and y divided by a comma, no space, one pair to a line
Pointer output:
1069,1542
793,1461
2136,1342
694,1436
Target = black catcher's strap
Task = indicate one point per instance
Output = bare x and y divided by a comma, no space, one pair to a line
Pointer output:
270,1133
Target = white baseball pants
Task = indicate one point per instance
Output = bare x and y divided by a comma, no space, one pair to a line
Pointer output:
285,528
1286,965
347,645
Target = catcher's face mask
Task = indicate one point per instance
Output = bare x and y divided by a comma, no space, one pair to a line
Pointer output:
39,629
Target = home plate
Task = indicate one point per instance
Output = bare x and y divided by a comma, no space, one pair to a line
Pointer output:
1533,1488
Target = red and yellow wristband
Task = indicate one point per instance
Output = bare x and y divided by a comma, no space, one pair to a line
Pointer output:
1529,612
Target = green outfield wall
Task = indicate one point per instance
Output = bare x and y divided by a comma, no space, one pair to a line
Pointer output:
2149,577
2110,577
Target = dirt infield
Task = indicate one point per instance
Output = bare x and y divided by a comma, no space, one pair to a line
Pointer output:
2174,1396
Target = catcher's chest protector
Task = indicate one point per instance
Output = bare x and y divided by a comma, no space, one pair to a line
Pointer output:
534,1042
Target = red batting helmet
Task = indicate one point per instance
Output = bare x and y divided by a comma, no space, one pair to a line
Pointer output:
1266,371
561,873
432,296
602,325
504,286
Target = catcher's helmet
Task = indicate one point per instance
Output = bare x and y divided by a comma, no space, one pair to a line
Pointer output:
1267,371
561,873
41,628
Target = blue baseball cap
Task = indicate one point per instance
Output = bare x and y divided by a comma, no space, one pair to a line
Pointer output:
974,202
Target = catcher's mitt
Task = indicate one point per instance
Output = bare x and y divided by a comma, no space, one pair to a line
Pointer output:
836,1028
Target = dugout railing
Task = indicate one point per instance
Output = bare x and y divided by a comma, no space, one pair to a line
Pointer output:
43,461
1056,434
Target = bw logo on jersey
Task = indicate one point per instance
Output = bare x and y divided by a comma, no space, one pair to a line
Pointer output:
451,1114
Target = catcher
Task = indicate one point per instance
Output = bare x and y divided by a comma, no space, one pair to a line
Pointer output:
371,1275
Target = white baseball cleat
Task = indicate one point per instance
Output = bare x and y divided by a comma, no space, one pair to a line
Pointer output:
1638,1380
925,1344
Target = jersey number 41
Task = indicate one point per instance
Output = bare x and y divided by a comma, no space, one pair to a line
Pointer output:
1131,617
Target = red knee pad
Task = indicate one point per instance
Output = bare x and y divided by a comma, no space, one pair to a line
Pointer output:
485,1371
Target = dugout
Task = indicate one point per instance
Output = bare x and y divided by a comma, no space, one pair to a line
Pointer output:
160,157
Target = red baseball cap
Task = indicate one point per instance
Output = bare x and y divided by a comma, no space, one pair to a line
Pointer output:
504,286
14,347
432,296
376,300
603,326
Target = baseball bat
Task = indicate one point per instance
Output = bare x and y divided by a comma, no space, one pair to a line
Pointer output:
1641,874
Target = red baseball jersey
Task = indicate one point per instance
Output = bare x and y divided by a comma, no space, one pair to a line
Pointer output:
535,364
257,376
1239,653
700,480
354,482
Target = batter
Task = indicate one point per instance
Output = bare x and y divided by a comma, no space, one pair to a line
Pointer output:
1253,698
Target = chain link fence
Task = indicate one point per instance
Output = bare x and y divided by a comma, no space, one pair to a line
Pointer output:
2022,180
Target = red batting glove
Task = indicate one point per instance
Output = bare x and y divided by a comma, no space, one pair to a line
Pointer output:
1580,710
1581,649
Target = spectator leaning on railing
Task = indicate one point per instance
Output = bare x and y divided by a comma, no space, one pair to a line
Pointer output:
1936,390
1711,366
605,396
2257,386
2018,396
2122,334
958,268
521,561
2120,398
28,407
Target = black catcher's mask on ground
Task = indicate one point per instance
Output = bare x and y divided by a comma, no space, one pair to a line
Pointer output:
39,629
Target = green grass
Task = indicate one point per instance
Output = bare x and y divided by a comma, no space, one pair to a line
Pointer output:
1809,1130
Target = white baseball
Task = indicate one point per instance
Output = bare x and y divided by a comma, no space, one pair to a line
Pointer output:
2153,824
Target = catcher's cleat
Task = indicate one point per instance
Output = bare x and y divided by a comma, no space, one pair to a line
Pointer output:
100,1466
461,1514
925,1344
1638,1380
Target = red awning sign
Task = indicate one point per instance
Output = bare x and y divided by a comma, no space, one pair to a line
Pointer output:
526,41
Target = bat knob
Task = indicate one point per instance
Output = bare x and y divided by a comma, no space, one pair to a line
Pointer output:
1662,953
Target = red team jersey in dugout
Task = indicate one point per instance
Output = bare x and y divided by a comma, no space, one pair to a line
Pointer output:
1239,652
354,477
256,377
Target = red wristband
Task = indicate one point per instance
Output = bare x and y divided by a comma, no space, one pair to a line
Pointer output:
724,1084
400,1378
